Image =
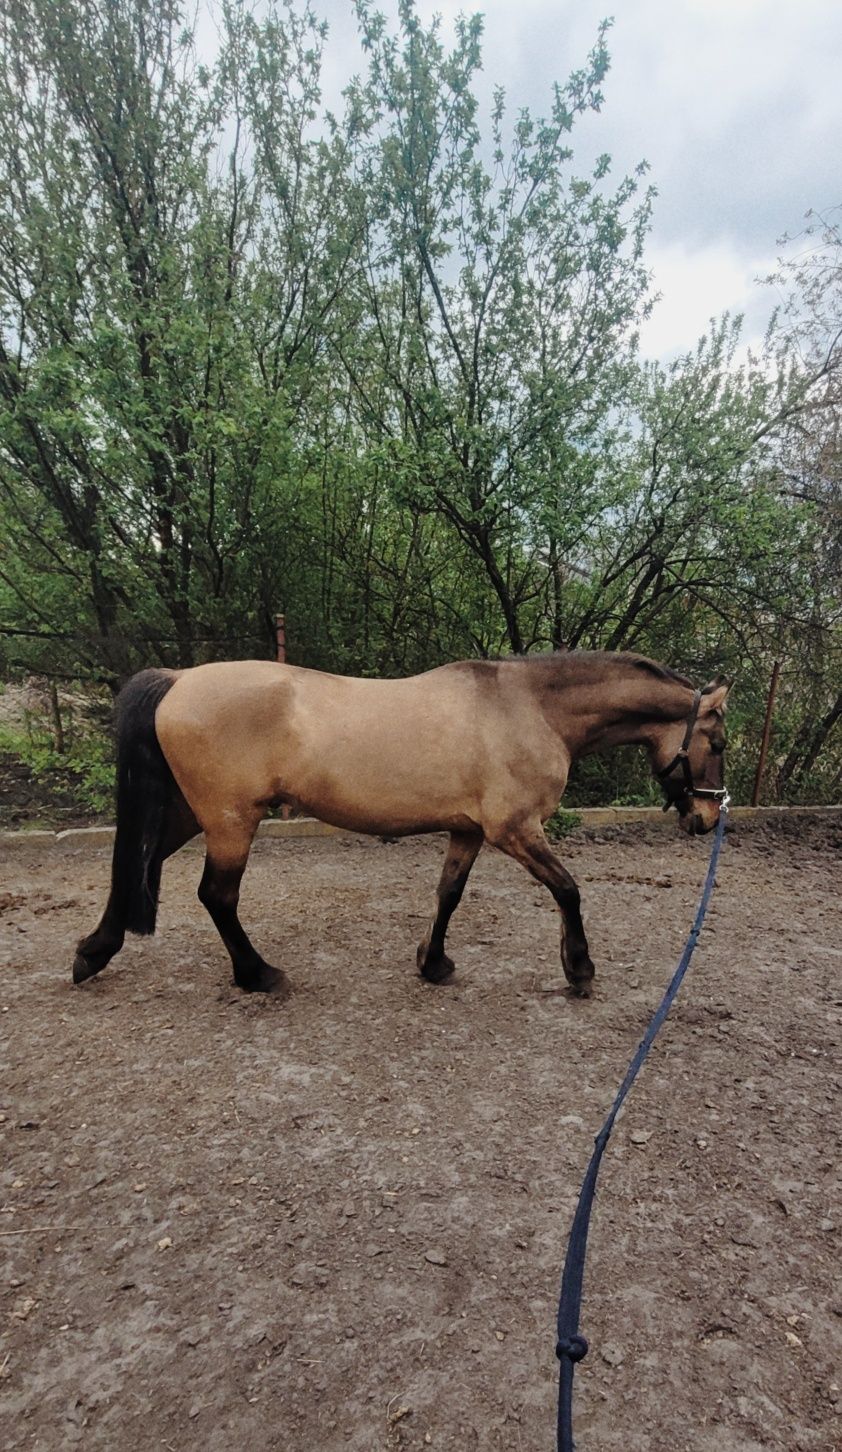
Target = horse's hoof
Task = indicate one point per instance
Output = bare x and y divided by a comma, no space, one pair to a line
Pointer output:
83,969
436,970
580,976
264,980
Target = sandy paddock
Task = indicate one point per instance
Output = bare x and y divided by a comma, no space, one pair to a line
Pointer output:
338,1223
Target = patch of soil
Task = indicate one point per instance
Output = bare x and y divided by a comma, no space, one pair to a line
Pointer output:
338,1222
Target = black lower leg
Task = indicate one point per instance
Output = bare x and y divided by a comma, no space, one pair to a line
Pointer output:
96,951
219,892
538,858
575,956
433,962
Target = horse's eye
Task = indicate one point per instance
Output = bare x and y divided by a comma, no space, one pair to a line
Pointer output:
717,747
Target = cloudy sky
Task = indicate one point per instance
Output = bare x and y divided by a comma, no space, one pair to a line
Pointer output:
736,105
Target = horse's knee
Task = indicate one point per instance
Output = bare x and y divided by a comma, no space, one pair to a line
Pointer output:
450,896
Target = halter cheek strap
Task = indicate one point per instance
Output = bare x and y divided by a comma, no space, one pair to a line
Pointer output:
682,760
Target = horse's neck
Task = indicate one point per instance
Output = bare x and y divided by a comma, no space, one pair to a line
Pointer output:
621,711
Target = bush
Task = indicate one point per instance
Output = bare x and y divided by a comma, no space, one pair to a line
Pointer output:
562,823
87,765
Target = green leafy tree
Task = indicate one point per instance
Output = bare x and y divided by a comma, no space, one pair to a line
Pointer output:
497,305
379,370
160,317
808,735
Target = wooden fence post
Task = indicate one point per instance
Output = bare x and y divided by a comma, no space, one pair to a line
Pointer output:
55,712
281,654
767,725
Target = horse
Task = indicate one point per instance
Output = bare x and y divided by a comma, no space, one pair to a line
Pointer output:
480,749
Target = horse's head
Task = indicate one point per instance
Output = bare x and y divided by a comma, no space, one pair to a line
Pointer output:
687,758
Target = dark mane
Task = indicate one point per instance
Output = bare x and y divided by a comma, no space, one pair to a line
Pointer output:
587,663
664,673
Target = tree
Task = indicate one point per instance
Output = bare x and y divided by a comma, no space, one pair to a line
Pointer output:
379,370
159,321
810,464
497,306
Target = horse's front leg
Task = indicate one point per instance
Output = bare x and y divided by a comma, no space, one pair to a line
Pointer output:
527,844
433,962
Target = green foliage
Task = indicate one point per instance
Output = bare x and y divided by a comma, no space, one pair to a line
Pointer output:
86,769
562,823
378,370
91,762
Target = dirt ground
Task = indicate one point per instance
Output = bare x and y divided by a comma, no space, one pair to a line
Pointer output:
338,1222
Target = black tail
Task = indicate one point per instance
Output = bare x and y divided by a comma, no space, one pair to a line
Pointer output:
145,787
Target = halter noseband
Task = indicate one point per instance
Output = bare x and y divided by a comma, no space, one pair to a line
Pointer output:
682,760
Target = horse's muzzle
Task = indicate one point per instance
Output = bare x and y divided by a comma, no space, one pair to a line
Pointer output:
697,824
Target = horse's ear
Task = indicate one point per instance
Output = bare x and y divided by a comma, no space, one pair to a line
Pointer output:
714,693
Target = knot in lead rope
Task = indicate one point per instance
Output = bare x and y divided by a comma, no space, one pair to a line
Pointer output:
575,1348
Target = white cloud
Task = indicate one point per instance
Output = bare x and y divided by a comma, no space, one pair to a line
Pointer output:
697,285
736,104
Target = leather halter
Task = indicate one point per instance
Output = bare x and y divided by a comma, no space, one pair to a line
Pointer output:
682,760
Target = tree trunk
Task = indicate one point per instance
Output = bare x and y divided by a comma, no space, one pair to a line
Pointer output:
806,749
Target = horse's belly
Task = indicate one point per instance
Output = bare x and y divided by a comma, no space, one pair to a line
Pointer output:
387,823
381,791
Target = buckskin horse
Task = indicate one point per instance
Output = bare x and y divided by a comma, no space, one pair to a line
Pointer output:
480,749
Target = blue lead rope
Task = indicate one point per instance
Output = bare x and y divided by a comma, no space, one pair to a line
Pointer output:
570,1346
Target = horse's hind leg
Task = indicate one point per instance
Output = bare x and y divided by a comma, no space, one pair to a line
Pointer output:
527,844
433,962
219,891
96,951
